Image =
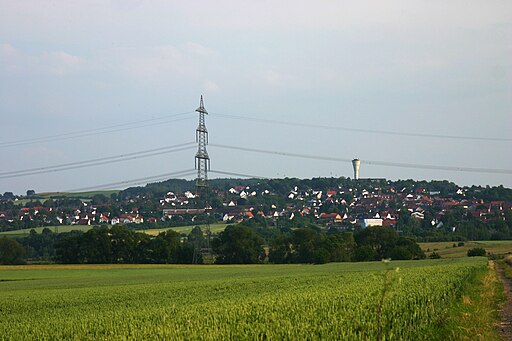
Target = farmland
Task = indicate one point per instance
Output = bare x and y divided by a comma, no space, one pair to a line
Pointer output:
59,229
448,250
215,228
399,300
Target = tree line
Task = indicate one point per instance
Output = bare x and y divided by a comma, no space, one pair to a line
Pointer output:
237,244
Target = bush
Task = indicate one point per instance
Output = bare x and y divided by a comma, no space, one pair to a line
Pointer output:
476,252
434,255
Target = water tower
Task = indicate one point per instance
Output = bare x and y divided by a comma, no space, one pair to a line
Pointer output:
356,163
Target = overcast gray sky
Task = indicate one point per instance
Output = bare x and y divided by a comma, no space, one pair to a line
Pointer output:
419,67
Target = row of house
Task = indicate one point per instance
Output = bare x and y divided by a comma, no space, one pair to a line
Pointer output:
335,206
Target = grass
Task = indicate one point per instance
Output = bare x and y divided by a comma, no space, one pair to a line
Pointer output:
506,265
84,196
475,314
282,302
446,249
79,195
215,228
61,228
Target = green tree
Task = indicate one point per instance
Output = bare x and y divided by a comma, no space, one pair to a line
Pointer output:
306,243
123,243
281,249
67,247
341,247
365,253
382,242
238,245
9,195
168,245
405,249
11,252
380,239
95,246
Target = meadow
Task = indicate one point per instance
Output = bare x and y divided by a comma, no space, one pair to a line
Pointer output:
215,228
357,301
61,228
447,249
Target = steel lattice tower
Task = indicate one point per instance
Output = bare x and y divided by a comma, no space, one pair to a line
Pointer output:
202,157
202,164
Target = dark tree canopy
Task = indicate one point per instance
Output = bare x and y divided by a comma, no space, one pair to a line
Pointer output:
376,243
306,245
238,245
121,245
11,252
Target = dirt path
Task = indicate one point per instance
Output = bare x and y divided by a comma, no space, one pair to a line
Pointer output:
506,309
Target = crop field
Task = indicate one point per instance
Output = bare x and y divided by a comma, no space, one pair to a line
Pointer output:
78,195
447,250
215,228
63,228
357,301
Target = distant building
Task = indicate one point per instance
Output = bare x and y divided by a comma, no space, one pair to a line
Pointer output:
170,212
356,163
372,222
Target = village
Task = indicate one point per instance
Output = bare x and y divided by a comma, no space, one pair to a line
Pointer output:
345,206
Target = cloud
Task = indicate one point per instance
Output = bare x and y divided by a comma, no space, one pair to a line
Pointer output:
52,63
274,78
154,65
199,50
60,63
210,86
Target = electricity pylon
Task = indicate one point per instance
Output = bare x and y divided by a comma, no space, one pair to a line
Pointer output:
202,164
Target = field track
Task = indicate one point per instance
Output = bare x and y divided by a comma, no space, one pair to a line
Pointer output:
506,309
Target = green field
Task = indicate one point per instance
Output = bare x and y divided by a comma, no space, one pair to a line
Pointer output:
215,228
407,300
60,228
446,249
84,196
79,195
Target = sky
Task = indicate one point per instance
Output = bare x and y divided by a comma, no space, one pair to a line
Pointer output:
388,82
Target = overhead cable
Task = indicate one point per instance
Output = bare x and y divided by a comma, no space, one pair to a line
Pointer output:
158,177
99,130
99,161
362,130
237,174
371,162
165,176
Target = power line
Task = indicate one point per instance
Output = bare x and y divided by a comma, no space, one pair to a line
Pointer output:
98,131
237,174
165,176
186,172
360,130
371,162
99,161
